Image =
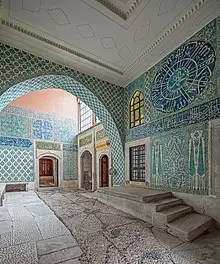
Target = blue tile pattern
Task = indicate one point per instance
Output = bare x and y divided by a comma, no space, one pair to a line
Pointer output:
181,95
16,165
179,160
183,76
70,171
63,131
13,125
37,125
15,142
206,111
43,129
70,147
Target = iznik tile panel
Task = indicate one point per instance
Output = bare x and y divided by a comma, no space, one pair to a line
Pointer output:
25,126
182,93
15,142
70,171
179,160
16,165
43,129
101,134
186,78
14,126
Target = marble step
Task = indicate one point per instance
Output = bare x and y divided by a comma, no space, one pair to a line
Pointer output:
166,203
168,215
189,226
136,194
155,197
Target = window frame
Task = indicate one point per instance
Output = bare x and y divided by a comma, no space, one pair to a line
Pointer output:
137,157
136,107
86,115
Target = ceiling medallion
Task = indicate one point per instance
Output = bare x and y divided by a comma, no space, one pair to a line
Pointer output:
183,76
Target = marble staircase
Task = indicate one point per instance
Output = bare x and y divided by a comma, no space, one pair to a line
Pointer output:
160,208
178,219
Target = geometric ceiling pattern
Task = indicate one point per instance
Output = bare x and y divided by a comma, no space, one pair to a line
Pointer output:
115,40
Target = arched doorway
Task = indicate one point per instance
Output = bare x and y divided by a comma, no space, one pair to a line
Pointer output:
48,172
86,170
104,168
96,104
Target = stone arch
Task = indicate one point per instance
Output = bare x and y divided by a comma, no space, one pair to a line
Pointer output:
83,93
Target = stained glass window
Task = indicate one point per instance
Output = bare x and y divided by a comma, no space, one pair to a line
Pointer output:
137,109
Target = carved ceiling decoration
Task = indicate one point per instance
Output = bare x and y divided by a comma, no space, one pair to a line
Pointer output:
116,40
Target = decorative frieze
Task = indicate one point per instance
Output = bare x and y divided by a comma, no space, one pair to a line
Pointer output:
206,111
102,144
15,142
101,134
48,145
85,141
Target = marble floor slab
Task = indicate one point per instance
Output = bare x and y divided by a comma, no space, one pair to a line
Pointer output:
30,233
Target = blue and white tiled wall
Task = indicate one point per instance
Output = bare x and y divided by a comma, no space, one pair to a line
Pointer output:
182,94
19,128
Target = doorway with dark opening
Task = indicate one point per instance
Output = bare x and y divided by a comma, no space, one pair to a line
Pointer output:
104,171
48,172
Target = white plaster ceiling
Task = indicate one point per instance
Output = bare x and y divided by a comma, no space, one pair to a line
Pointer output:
99,41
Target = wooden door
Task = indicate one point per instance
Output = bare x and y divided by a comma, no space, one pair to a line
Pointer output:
104,171
46,167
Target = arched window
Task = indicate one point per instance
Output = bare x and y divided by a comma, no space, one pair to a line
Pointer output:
137,109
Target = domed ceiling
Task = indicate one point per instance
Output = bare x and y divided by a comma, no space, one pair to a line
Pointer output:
115,40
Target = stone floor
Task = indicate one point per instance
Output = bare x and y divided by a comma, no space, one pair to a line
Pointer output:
71,228
30,233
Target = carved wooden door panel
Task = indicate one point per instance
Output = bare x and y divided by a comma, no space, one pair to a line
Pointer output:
46,167
104,171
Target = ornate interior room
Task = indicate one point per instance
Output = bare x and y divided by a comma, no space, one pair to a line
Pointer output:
116,102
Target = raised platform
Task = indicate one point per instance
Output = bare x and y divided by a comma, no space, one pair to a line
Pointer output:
159,208
140,194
